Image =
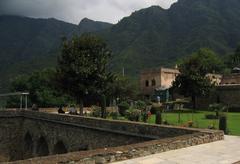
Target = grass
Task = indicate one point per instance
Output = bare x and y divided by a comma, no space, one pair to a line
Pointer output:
199,120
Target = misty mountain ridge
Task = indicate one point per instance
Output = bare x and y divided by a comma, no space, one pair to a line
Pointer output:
30,44
149,37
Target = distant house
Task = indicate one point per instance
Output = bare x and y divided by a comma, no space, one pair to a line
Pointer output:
157,81
227,92
233,78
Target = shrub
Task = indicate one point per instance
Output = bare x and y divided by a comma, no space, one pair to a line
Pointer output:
165,122
123,107
146,115
223,124
140,105
211,116
114,115
234,109
133,114
217,108
95,111
190,124
148,102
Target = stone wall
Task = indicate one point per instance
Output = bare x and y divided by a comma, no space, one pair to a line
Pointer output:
131,151
231,79
26,134
225,94
10,137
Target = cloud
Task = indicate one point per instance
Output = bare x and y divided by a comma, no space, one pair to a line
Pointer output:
74,10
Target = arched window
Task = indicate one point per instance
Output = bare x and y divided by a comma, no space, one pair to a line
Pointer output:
28,146
42,147
146,83
153,82
60,148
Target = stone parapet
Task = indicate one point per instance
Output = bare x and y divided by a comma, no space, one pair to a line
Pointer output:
107,140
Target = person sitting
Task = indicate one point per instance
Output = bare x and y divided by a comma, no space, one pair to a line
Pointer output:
60,110
73,110
34,107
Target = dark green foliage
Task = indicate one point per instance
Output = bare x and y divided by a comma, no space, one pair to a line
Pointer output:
123,88
234,109
114,115
95,111
148,38
103,106
141,105
152,37
234,59
81,68
123,107
223,124
192,81
144,116
217,108
29,44
158,117
133,114
40,85
211,116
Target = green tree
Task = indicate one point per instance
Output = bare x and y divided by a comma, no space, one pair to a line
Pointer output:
192,80
41,88
124,88
81,68
235,58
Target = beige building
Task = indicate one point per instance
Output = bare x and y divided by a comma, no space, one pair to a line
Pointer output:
151,79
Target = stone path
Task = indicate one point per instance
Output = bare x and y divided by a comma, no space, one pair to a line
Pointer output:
220,152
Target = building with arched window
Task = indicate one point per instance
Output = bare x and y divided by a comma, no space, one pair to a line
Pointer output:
153,79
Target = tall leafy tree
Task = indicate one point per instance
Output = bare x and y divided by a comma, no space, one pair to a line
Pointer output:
81,67
192,80
235,58
41,88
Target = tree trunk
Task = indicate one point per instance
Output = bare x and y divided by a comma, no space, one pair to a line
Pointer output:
194,102
103,106
81,106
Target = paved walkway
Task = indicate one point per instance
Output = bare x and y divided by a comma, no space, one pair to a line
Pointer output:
220,152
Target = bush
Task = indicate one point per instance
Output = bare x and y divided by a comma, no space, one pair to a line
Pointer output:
146,115
114,115
211,116
133,114
95,111
123,107
190,124
148,102
223,124
140,105
234,109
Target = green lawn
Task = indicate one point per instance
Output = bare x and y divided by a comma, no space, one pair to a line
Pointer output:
199,120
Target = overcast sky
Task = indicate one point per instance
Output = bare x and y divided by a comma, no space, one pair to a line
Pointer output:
74,10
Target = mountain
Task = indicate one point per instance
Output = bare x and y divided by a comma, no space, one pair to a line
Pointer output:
154,36
88,25
149,37
29,44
